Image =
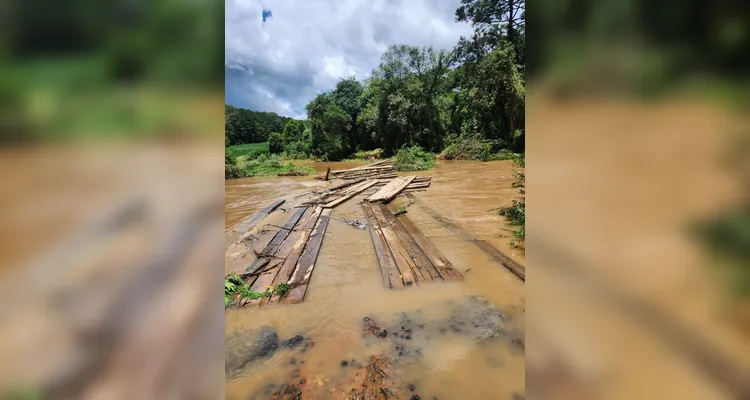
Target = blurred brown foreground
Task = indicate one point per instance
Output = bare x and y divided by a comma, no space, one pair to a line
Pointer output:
112,286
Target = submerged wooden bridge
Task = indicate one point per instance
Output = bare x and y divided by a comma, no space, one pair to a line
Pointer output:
406,257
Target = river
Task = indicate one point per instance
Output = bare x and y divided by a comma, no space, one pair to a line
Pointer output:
447,340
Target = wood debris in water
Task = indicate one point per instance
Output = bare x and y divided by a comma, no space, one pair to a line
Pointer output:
391,189
405,255
376,170
289,258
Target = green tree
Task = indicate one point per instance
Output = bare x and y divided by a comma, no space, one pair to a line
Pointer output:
275,143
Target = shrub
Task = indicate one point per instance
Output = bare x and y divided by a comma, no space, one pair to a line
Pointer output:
366,154
232,172
413,159
228,157
268,165
468,149
297,150
275,143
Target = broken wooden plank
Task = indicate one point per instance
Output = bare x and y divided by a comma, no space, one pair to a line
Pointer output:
251,221
391,190
307,261
388,270
444,267
388,187
274,244
360,188
285,252
514,267
343,185
290,262
404,263
261,285
421,261
256,266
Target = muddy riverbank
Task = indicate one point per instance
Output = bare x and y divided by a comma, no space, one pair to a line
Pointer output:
443,340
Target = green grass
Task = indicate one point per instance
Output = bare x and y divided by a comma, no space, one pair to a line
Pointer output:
249,150
413,158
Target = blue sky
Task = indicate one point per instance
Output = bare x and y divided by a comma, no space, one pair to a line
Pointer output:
305,46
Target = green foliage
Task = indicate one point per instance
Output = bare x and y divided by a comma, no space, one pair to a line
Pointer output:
468,149
269,165
248,150
403,210
413,158
281,289
275,143
468,103
234,285
246,126
367,154
516,212
298,150
728,237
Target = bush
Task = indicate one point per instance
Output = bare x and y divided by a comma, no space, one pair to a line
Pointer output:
298,150
275,143
468,149
366,154
268,165
228,157
232,172
413,159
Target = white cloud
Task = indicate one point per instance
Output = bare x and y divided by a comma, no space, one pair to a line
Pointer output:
309,44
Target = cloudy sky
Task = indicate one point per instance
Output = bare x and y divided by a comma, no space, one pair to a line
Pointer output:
307,45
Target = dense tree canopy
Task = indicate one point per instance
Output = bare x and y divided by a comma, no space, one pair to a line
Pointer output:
416,96
246,126
431,98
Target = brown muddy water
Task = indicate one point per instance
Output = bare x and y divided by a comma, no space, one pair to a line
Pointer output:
443,340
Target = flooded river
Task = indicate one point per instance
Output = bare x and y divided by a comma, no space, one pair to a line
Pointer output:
442,340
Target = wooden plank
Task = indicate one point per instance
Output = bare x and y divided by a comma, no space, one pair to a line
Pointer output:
514,267
250,222
388,270
274,244
405,265
349,195
389,186
286,250
342,185
307,262
421,261
290,262
391,190
256,266
261,284
444,267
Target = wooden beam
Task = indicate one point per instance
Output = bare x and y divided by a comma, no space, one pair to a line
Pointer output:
388,270
295,241
247,224
283,232
443,266
391,190
405,264
350,194
307,261
421,261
